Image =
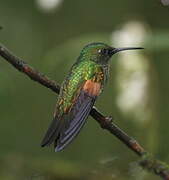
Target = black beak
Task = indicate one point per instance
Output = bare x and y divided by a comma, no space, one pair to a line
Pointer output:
116,50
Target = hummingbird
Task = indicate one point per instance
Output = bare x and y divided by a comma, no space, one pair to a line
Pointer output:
79,91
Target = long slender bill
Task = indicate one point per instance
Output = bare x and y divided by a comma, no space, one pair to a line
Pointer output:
115,50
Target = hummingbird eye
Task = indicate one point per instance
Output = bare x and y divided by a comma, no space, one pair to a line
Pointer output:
100,51
104,51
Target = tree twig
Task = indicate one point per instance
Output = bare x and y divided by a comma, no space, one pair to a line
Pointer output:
147,161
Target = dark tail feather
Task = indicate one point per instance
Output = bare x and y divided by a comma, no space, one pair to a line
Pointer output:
52,133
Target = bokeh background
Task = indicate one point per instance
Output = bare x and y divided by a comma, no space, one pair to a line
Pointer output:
49,34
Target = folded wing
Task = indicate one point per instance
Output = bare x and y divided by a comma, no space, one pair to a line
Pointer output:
75,120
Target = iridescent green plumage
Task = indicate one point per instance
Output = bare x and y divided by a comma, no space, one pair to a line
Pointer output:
73,83
78,93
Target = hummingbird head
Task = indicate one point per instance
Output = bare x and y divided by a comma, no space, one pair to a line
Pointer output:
100,52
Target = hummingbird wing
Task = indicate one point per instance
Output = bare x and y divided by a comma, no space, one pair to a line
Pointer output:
69,118
79,115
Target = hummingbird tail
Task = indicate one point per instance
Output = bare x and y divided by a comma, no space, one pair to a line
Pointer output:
52,133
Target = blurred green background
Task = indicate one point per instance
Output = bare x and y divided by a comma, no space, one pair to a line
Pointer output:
49,35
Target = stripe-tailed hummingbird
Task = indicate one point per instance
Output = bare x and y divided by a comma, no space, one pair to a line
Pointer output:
79,91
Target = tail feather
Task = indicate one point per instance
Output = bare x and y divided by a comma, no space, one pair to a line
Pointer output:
52,133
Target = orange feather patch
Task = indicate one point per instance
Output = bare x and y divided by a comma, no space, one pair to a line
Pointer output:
93,88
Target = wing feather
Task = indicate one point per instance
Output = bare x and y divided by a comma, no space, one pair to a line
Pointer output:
80,115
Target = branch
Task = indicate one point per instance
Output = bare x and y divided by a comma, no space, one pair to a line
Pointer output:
147,161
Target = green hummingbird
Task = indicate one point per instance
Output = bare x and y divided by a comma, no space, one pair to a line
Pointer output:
78,93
